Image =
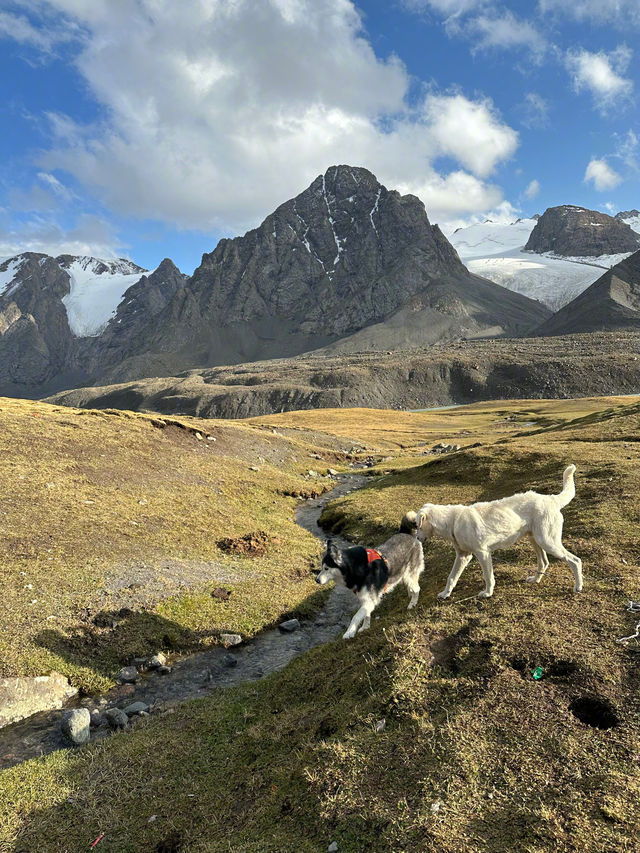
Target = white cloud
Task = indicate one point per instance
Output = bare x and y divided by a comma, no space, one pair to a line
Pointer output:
602,175
535,111
470,131
19,28
502,30
448,8
533,189
623,13
217,111
601,74
89,236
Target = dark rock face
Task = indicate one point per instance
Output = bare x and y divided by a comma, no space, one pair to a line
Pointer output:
35,338
627,214
577,232
611,303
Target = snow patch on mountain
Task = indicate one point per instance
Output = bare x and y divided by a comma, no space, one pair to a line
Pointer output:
7,275
96,292
634,223
494,250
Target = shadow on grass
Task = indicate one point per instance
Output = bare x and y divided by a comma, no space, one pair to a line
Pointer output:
113,637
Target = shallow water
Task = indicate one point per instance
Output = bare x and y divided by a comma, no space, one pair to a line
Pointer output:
197,675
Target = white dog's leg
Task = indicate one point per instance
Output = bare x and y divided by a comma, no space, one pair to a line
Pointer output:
561,553
460,563
484,558
543,563
362,617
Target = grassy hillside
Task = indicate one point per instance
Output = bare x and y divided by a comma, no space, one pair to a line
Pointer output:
476,754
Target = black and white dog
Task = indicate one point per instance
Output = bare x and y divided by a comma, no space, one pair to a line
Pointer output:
372,573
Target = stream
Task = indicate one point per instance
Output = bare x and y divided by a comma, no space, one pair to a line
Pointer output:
198,674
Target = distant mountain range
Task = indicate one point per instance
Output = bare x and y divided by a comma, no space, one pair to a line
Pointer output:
346,260
501,252
346,266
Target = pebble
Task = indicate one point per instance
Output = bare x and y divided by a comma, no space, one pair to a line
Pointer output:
228,640
136,708
117,718
156,661
97,719
333,847
289,626
332,472
76,725
128,675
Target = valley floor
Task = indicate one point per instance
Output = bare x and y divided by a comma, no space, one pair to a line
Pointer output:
475,753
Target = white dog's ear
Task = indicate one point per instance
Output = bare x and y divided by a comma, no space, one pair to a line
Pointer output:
334,552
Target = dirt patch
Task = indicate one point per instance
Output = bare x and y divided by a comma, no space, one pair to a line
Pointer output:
250,545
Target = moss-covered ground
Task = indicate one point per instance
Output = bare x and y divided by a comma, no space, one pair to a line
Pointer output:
475,754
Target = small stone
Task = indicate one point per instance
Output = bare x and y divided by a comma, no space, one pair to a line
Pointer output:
143,501
97,719
153,818
211,438
289,626
199,436
332,472
254,468
116,718
434,808
333,847
311,473
157,660
380,725
228,640
229,661
624,562
128,675
76,725
163,670
136,708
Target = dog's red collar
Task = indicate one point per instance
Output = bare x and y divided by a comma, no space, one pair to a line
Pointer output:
373,555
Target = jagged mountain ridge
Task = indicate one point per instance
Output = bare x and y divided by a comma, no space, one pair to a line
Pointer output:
611,303
343,255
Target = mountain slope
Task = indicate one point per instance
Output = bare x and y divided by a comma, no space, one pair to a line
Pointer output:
612,302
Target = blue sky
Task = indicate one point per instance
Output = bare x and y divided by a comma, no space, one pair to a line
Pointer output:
151,128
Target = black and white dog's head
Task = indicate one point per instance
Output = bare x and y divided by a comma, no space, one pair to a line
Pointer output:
351,566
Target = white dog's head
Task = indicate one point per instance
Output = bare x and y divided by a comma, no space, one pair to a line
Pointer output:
423,524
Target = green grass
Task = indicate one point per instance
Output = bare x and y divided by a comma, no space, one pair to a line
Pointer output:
475,754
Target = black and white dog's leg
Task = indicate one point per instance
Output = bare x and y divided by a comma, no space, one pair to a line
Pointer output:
459,565
362,617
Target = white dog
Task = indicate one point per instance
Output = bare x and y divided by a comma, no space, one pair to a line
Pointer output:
480,529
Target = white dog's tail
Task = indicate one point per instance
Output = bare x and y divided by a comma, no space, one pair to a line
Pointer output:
568,487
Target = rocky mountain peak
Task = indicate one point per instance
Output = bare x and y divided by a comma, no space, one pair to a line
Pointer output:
627,214
573,231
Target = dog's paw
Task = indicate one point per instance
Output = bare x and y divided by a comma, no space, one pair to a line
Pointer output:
577,589
484,594
348,635
444,594
533,579
411,605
